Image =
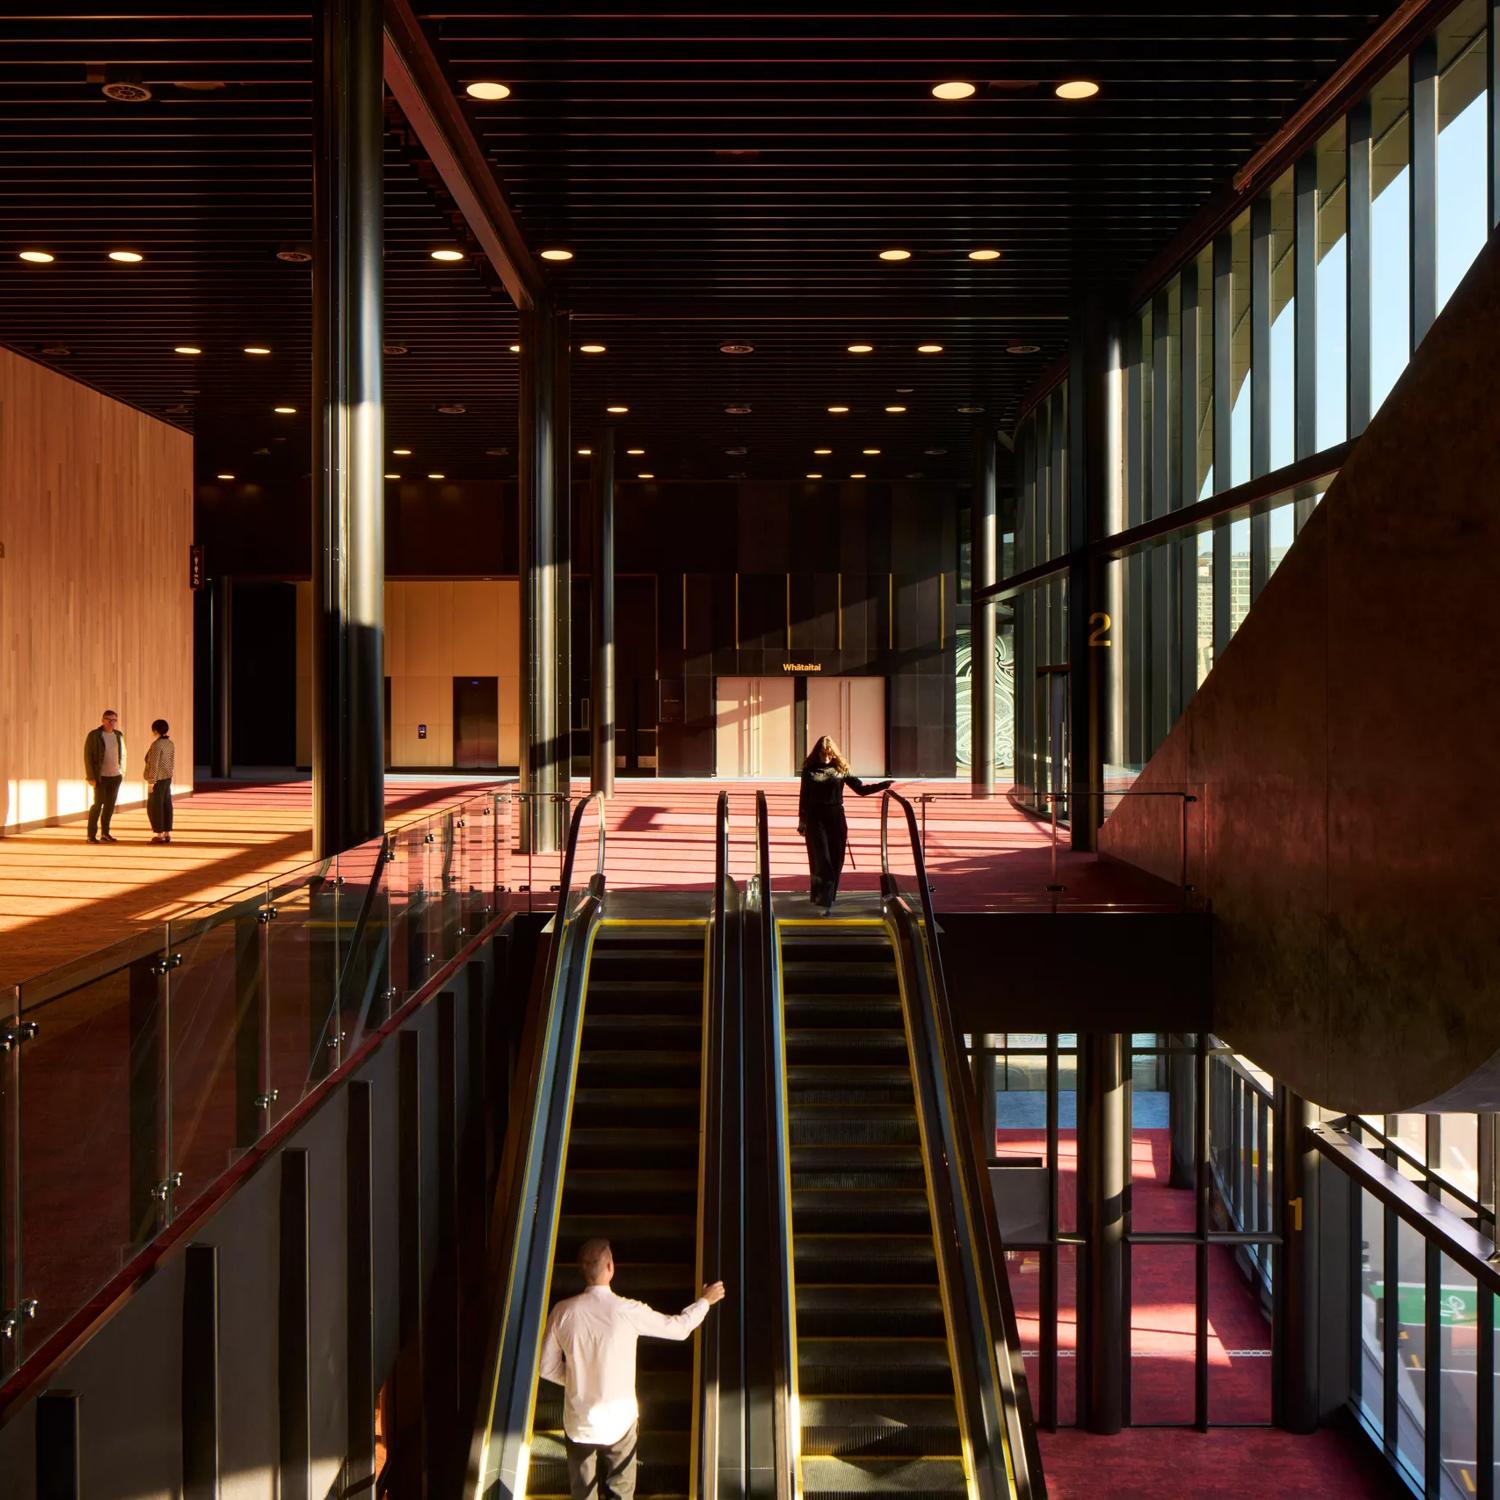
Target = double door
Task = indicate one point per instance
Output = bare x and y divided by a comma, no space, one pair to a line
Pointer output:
851,711
761,731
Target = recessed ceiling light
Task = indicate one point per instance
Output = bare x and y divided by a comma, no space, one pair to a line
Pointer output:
736,452
738,410
1022,348
814,476
126,257
484,90
515,348
929,348
57,351
868,451
186,349
1077,88
402,452
285,411
38,257
392,476
971,411
447,255
294,255
585,452
557,253
497,452
223,476
838,410
393,348
126,91
861,348
822,451
256,349
895,408
934,452
905,390
736,348
453,410
617,411
437,476
954,90
591,348
645,476
984,255
859,476
635,452
895,255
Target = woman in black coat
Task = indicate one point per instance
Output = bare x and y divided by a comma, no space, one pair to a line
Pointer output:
820,816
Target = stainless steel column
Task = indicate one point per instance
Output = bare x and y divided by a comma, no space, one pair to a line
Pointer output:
602,598
1106,1341
982,564
348,755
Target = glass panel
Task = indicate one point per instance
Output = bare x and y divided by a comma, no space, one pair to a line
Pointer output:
1460,1155
1163,1279
1390,232
1162,1090
1333,287
1283,532
1148,386
1067,1334
302,978
364,946
1462,105
1167,484
1283,322
1205,566
1202,482
1458,1333
1239,551
1369,1378
1411,1335
1239,1338
1239,360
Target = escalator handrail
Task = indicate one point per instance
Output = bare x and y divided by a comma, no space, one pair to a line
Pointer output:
529,1197
776,1186
994,1342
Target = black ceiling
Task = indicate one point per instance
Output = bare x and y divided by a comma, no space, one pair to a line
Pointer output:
722,177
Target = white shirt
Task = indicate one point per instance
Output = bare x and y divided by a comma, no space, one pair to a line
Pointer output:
589,1350
109,762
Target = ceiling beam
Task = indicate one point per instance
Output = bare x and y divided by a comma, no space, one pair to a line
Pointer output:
420,87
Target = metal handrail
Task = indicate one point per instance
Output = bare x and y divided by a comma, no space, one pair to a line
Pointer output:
530,1194
1002,1432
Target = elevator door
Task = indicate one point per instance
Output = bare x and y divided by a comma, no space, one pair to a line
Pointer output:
852,711
754,718
476,722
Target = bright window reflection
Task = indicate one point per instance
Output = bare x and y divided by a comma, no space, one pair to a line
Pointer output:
1461,157
1333,288
1283,323
1390,233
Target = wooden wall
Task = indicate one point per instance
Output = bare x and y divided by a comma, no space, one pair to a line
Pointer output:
435,630
96,519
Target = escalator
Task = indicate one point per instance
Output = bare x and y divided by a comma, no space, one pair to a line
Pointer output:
897,1342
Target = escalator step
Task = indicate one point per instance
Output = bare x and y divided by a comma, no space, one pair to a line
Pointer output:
858,1178
835,1478
875,1212
671,1190
644,1106
852,1259
632,1032
833,1127
657,997
879,1426
883,1046
823,1083
606,1147
872,1377
658,1068
838,1158
859,977
847,1311
835,1012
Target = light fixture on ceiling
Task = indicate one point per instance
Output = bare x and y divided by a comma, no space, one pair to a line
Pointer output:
180,409
126,90
984,255
437,476
736,348
393,349
635,452
822,452
392,476
497,452
515,348
934,452
38,257
55,351
645,476
1023,348
869,451
285,411
814,476
557,253
126,257
486,89
861,348
895,255
736,452
186,349
256,349
294,255
929,348
192,390
1077,88
859,476
905,390
838,411
223,476
453,410
591,348
402,452
956,89
447,254
970,411
585,452
617,411
739,409
895,408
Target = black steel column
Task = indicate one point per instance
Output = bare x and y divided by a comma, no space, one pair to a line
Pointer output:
1295,1262
348,755
982,575
1095,507
1182,1088
602,601
221,742
1106,1344
540,750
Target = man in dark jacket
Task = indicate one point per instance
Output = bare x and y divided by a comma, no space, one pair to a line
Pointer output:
104,770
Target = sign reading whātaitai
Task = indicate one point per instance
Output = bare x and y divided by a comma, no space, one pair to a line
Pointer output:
802,666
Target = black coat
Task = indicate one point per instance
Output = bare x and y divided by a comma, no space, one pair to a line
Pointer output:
821,821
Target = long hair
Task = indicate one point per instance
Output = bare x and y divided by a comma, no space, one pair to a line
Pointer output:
835,758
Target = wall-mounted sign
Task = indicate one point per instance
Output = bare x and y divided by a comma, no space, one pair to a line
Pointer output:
421,731
670,709
195,567
802,666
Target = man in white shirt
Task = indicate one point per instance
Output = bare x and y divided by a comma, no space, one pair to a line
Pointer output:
589,1350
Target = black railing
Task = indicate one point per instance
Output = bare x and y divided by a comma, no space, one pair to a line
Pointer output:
530,1196
994,1399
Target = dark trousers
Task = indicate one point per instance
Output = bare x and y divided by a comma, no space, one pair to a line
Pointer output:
826,837
159,807
106,789
604,1469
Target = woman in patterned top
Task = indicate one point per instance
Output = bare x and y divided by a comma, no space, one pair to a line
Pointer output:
820,816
